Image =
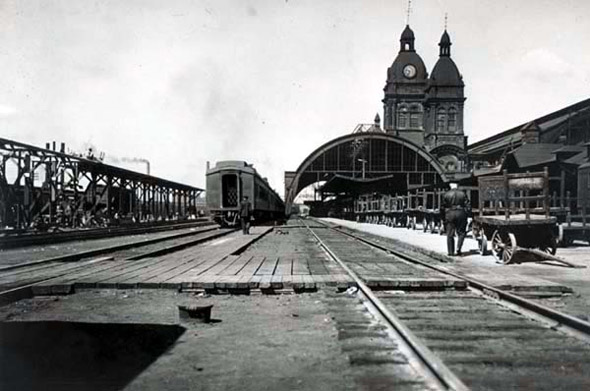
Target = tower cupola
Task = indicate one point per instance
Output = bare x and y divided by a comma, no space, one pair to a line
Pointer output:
445,45
407,40
445,72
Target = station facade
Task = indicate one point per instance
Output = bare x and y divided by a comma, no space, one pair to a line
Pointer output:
421,144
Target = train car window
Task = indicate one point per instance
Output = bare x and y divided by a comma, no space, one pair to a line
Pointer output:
229,189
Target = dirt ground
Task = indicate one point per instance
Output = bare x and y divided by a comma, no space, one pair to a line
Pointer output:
259,342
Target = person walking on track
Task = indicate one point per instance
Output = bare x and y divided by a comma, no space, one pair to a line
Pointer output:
454,211
245,215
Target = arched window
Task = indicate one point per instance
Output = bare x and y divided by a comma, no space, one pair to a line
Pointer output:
402,117
416,116
441,118
452,119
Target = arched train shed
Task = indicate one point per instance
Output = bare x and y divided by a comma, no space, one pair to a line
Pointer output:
366,157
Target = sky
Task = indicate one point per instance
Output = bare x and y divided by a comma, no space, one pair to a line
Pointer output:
183,82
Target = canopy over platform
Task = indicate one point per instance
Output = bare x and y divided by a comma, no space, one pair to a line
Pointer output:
341,184
359,161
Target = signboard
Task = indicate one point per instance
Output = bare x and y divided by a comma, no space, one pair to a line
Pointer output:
530,183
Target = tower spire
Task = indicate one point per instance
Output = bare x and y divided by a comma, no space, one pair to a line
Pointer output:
408,12
445,41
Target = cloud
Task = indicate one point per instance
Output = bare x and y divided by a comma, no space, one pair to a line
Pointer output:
543,64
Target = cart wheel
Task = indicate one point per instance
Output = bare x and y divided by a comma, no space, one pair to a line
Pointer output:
497,246
503,246
509,249
551,246
483,245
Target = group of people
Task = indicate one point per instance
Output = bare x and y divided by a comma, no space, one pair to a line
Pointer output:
454,210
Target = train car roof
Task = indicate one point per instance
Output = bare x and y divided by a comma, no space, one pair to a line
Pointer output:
231,164
241,166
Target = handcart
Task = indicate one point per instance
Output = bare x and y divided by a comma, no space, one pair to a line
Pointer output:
514,217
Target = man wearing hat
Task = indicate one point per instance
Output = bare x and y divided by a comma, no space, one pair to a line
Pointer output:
454,211
245,214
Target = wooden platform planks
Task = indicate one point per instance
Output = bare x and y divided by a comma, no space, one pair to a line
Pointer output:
268,266
300,266
284,266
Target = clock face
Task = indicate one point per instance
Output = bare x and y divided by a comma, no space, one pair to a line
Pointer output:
409,71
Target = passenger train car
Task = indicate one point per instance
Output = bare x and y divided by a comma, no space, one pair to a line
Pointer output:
231,180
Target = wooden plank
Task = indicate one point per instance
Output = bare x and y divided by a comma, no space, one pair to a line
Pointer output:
276,282
238,265
268,266
222,265
284,266
343,280
287,281
243,281
55,270
516,219
195,275
69,279
265,281
120,268
131,278
308,282
300,266
316,266
213,264
207,281
254,281
297,281
91,272
252,266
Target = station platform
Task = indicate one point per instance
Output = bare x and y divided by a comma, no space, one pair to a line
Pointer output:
552,283
235,263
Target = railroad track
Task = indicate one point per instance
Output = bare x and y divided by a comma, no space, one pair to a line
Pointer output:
18,281
476,338
24,239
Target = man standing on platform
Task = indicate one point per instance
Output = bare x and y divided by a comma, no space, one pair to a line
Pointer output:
245,214
454,210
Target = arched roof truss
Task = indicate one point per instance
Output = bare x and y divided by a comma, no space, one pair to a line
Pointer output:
368,155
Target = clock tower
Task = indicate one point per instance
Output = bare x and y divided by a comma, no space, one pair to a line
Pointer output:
404,98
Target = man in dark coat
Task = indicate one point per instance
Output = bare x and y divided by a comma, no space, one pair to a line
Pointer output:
454,210
245,214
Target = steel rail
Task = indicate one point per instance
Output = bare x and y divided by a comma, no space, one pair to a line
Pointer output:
105,250
26,291
31,239
549,314
439,371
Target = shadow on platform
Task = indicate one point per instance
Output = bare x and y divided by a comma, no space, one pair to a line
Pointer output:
79,356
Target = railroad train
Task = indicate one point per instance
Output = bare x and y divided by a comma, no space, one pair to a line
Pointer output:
228,182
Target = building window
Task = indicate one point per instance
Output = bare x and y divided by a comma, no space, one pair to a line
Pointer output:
441,117
402,117
452,120
416,117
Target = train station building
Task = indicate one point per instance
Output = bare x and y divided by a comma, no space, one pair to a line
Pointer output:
422,142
